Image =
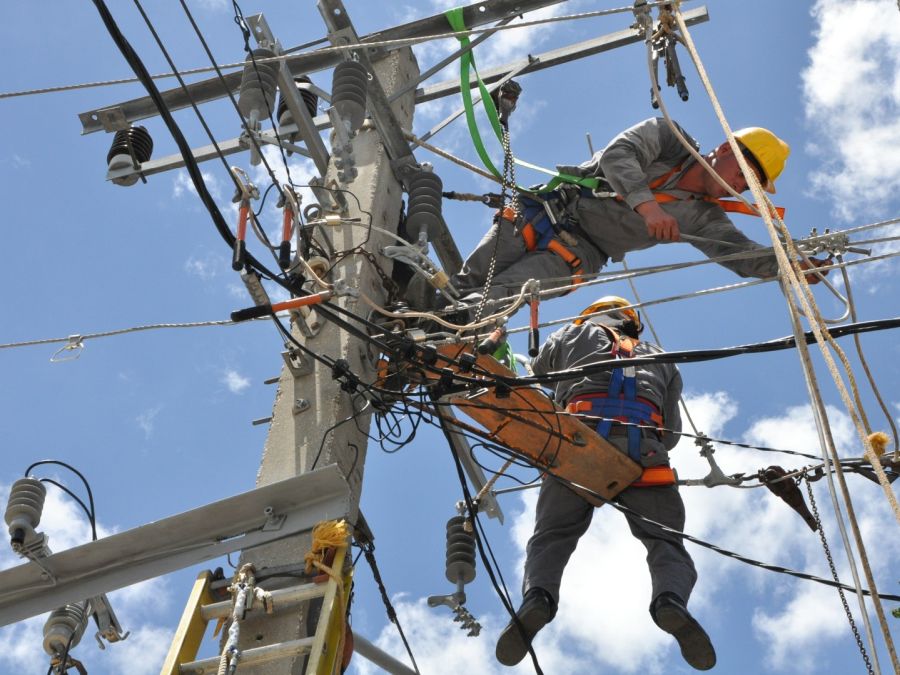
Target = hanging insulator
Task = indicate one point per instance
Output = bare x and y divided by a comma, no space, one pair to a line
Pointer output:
64,624
134,141
349,85
258,82
309,98
23,510
460,552
425,202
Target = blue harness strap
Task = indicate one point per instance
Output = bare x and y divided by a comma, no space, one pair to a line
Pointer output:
535,214
621,404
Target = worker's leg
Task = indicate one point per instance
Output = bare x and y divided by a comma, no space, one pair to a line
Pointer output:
548,267
560,520
671,570
509,249
671,567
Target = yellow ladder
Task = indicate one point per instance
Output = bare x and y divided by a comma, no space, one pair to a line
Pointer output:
325,648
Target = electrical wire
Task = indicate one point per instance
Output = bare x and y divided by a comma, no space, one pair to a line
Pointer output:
293,50
92,511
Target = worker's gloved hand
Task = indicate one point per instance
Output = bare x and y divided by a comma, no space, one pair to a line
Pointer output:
660,224
811,263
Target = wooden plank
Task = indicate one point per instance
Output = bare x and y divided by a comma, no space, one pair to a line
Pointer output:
527,422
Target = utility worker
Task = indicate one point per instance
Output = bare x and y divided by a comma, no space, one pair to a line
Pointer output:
651,191
648,396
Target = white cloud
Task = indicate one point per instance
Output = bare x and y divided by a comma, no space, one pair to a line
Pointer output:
205,267
790,618
182,184
852,89
146,420
235,382
215,5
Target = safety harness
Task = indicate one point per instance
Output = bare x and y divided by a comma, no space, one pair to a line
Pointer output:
727,205
620,403
542,234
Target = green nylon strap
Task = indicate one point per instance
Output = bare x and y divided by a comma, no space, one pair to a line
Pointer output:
467,63
504,354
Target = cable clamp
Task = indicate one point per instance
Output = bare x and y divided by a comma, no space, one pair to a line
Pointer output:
716,476
69,351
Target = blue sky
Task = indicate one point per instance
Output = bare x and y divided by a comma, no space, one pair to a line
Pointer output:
160,421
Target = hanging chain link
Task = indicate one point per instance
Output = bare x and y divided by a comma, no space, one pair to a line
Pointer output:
834,574
507,186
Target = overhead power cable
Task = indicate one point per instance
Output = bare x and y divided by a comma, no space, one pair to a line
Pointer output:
697,355
293,51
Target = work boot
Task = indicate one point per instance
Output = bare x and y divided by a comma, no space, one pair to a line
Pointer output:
537,610
670,614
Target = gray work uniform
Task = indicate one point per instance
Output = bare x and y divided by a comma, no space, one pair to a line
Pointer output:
562,516
608,228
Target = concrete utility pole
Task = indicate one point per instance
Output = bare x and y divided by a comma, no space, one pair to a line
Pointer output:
309,402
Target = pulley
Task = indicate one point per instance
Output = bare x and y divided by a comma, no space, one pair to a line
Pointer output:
349,85
130,148
24,508
425,204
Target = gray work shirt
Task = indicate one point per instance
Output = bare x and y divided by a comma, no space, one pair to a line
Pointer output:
633,160
576,346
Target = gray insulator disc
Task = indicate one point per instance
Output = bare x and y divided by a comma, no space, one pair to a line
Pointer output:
258,83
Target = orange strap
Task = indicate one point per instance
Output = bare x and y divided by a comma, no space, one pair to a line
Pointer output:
728,205
583,405
656,475
555,246
530,237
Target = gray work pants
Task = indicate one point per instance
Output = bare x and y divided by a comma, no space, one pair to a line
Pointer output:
562,517
515,264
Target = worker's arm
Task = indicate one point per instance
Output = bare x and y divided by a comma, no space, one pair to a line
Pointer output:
814,262
671,409
715,235
626,160
545,361
718,236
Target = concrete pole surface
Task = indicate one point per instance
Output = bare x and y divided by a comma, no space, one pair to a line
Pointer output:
296,431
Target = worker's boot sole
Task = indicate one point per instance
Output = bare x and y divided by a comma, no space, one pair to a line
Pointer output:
696,647
512,645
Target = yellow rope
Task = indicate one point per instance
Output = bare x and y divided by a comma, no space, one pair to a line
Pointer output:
325,535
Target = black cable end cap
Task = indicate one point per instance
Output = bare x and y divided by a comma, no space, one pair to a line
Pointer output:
250,313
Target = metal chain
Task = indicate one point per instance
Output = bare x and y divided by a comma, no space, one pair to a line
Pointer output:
834,575
507,185
389,285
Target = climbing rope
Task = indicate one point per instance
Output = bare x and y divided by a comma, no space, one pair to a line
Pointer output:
796,282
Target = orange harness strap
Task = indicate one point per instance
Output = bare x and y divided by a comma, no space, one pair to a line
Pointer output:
727,205
554,245
656,475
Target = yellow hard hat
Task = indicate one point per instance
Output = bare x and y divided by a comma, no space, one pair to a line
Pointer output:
611,302
769,151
